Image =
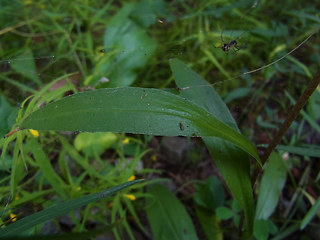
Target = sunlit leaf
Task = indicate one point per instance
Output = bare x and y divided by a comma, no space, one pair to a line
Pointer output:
94,143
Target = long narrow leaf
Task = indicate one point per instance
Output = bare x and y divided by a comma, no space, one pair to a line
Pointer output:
133,110
46,168
233,163
168,217
271,185
59,209
67,236
310,214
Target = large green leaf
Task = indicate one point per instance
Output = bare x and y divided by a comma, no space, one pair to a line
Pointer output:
233,163
271,185
127,49
58,210
167,216
133,110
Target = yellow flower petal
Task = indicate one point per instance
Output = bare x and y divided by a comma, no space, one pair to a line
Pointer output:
28,2
34,133
130,196
126,141
133,177
13,217
154,158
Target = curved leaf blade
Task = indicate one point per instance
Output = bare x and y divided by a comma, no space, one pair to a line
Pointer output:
133,110
310,214
60,209
167,216
232,162
271,185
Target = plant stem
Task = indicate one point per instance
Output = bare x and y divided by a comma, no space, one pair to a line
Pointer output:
287,123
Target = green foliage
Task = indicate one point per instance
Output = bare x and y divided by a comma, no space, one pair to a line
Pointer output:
52,49
167,216
210,194
208,197
272,183
133,110
7,114
127,44
310,214
59,209
94,143
209,223
231,161
26,66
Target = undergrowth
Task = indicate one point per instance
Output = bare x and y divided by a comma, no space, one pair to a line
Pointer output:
51,49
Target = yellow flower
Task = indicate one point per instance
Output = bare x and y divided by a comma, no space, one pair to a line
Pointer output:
154,158
34,133
28,2
133,177
130,196
126,141
13,217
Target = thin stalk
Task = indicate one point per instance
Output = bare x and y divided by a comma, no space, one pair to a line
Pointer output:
287,123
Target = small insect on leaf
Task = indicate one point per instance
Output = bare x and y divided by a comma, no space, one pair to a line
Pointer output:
181,126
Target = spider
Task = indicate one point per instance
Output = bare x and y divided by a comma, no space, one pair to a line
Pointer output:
230,45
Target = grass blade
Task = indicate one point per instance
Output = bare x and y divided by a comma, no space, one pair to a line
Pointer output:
310,214
59,209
